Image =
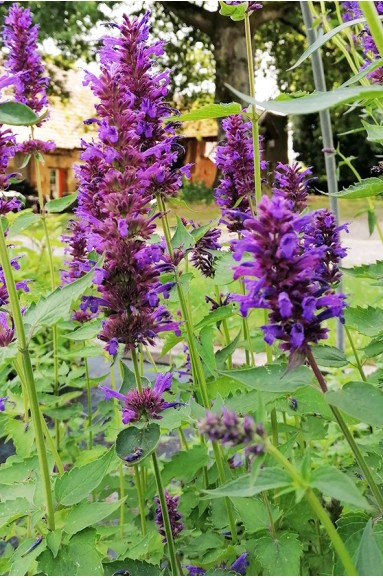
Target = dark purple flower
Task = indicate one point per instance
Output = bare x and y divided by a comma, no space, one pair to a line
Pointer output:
24,61
227,428
131,161
251,6
7,329
2,403
7,151
235,161
323,232
174,516
195,570
283,275
292,183
148,404
240,564
35,146
202,254
8,204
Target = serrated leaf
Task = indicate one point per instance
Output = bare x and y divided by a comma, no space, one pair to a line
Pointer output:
132,439
210,111
23,559
370,271
57,304
360,400
366,320
272,378
22,222
247,486
375,347
86,331
12,510
59,205
182,238
314,102
235,11
223,266
279,556
369,557
171,340
88,514
334,483
374,131
79,482
134,567
185,465
215,316
369,187
327,356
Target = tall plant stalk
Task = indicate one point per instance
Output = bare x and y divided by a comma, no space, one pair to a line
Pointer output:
327,134
198,371
120,467
29,379
160,487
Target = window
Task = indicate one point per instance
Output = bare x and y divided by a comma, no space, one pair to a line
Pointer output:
54,183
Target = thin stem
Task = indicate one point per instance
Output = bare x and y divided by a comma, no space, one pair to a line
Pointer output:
29,378
141,501
357,360
270,515
372,16
317,507
254,118
117,420
183,439
225,329
89,398
136,369
348,435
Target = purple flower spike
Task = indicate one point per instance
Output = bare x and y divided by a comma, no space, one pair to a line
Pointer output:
235,160
288,273
195,570
148,404
227,428
174,516
292,183
2,403
240,564
24,60
7,330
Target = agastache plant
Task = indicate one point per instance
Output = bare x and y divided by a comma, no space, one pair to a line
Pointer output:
292,183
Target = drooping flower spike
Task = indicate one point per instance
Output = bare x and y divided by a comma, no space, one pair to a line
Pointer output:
24,61
282,277
174,516
148,404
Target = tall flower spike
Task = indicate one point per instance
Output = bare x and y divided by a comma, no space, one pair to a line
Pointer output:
292,183
235,160
280,276
131,161
174,516
24,61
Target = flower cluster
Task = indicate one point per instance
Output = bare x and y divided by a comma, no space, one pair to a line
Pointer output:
351,10
292,183
239,566
7,329
235,161
201,255
148,404
251,6
7,151
174,516
130,163
286,277
35,146
24,60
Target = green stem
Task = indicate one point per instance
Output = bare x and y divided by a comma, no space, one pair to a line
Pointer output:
357,360
225,328
141,501
371,14
29,378
254,118
348,435
270,515
317,507
89,399
117,420
198,371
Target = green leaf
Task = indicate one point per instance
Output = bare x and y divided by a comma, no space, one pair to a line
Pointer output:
171,340
215,316
129,380
206,349
369,187
21,561
131,439
199,232
134,567
22,222
254,515
59,205
79,482
210,111
360,400
369,558
314,102
324,38
247,486
17,114
184,281
223,354
370,68
366,320
375,347
327,356
88,514
279,556
86,331
182,238
54,541
235,11
79,558
370,271
372,220
332,482
374,132
57,304
12,510
185,465
223,266
271,377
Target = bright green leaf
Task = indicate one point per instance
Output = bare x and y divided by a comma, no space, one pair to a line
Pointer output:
185,465
22,222
334,483
59,205
13,509
369,187
132,440
246,486
279,556
223,266
365,70
54,541
370,271
182,239
21,561
374,132
210,111
215,316
17,114
366,320
360,400
87,331
369,557
327,356
88,514
129,380
271,377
